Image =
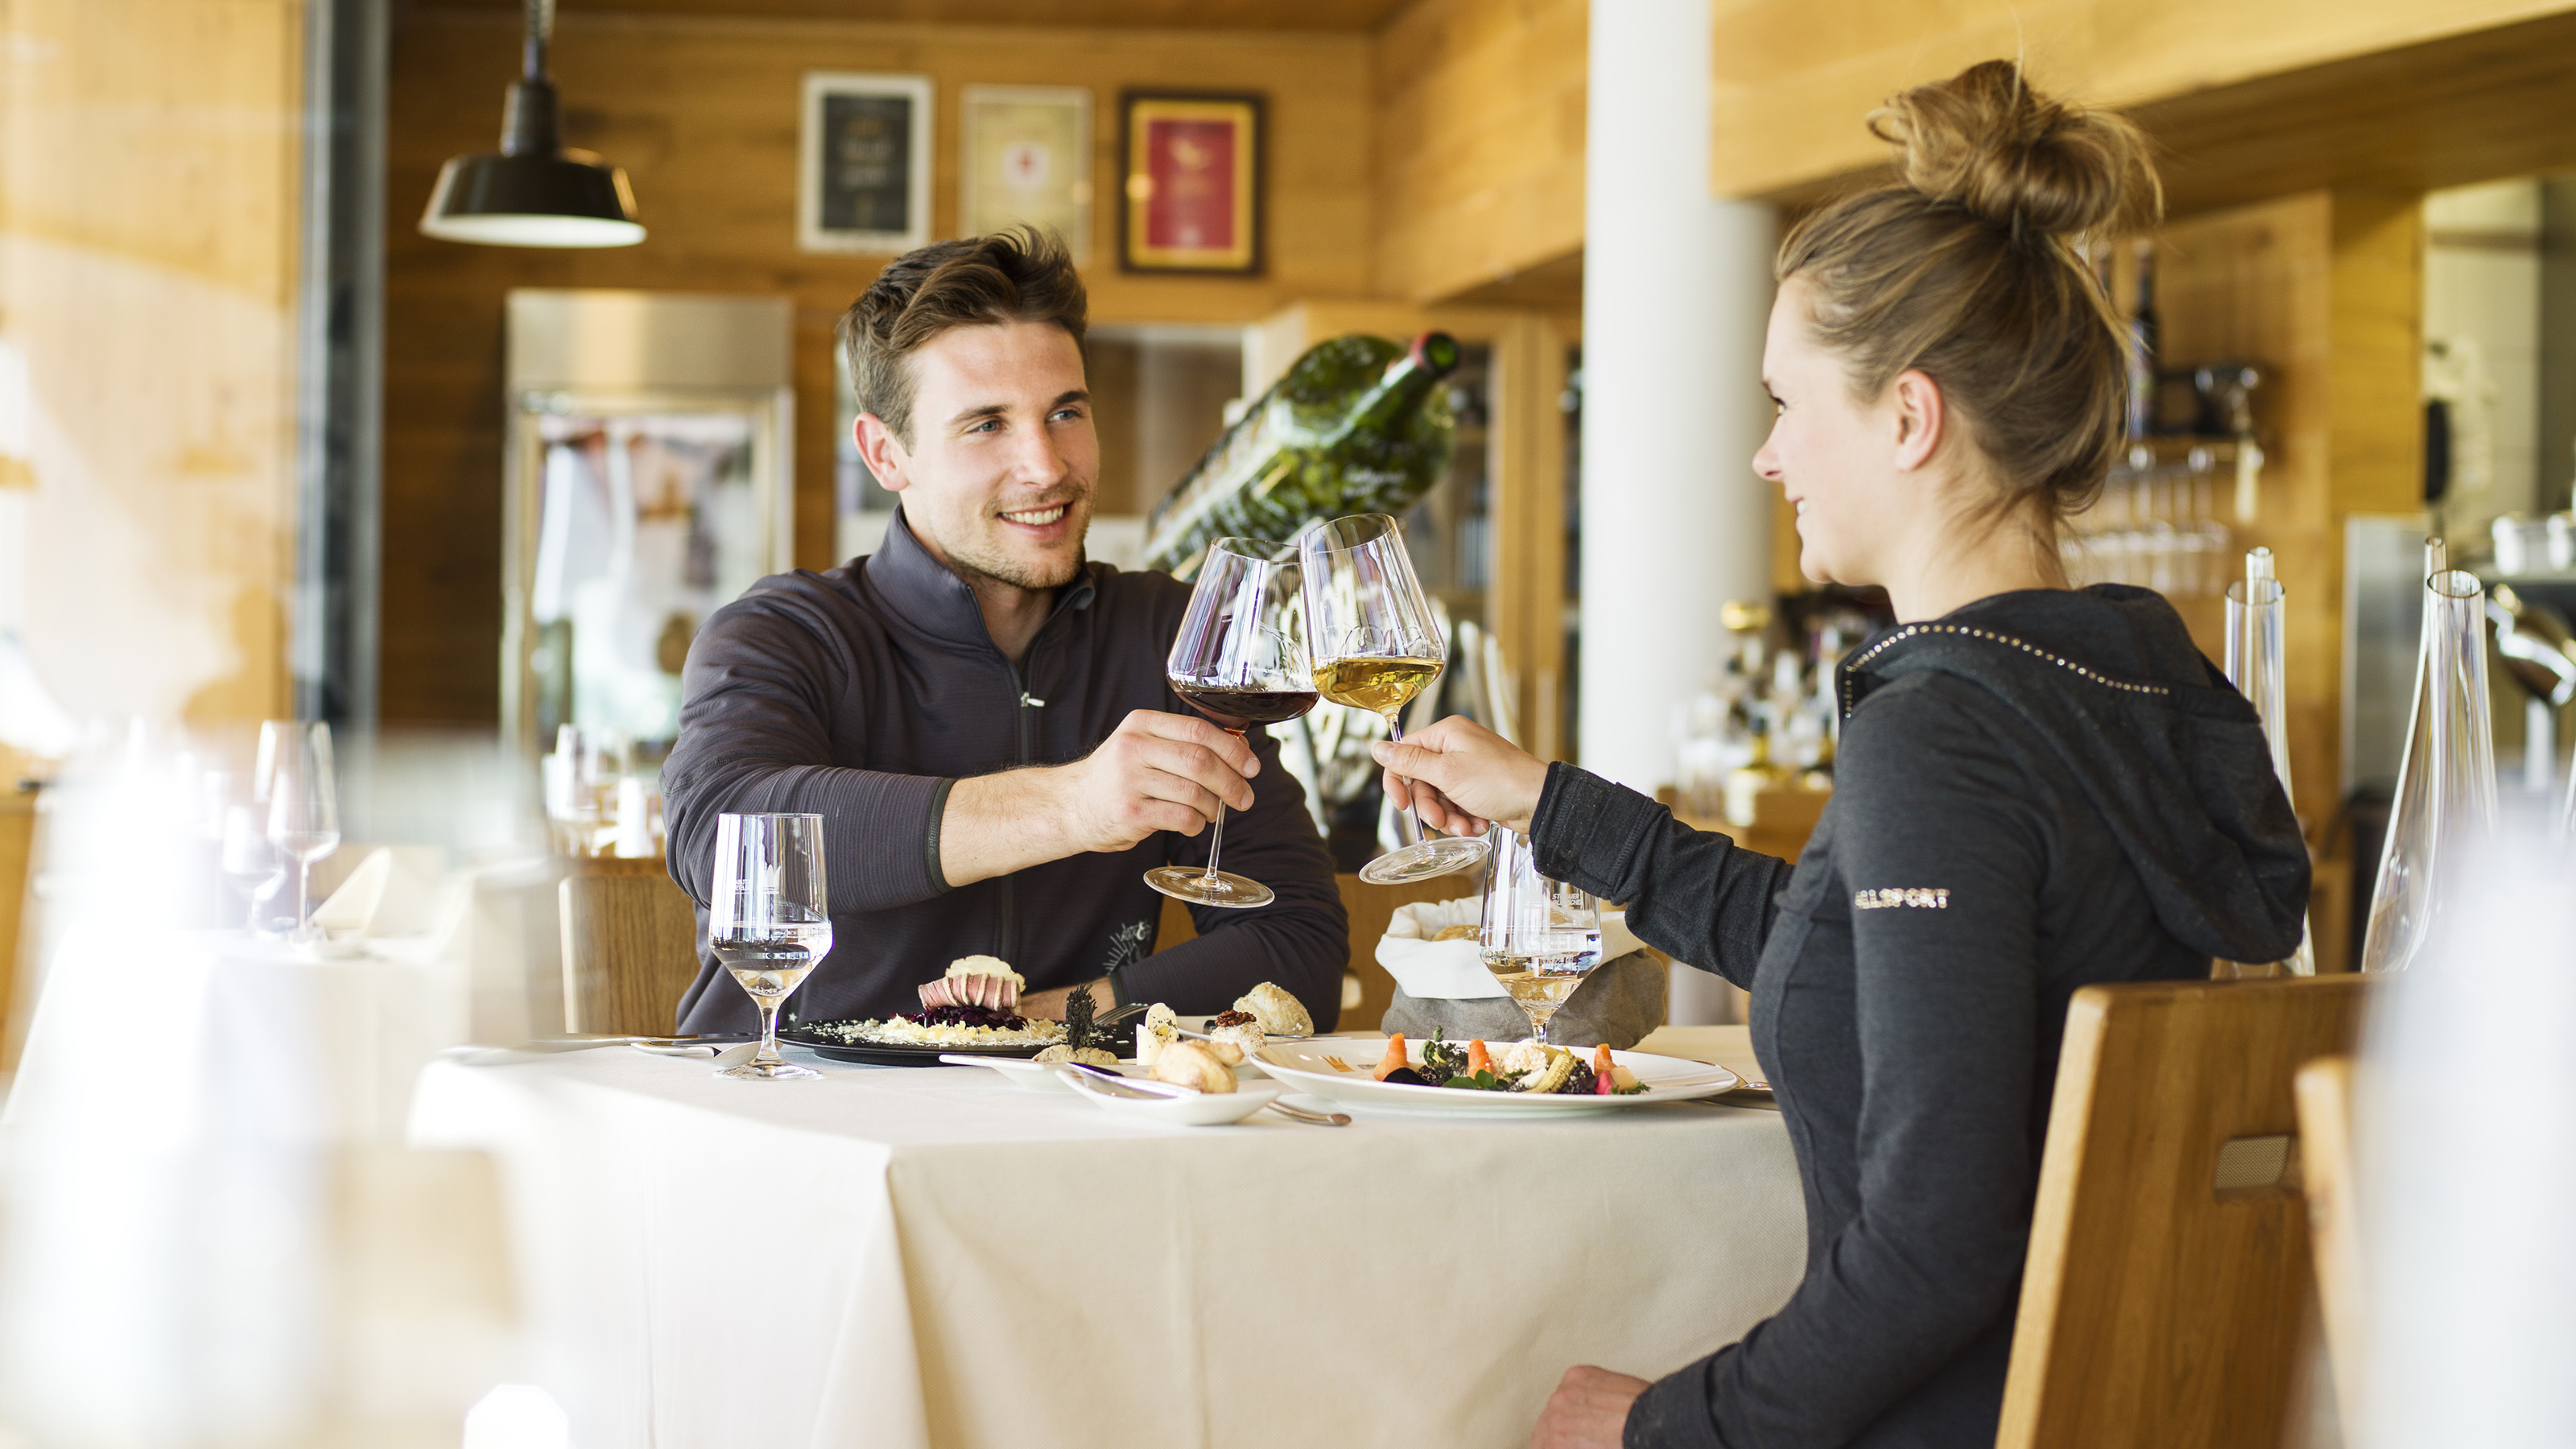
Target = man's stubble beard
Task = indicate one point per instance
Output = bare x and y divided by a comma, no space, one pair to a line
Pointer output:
976,567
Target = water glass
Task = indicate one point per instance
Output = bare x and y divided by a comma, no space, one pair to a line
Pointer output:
769,920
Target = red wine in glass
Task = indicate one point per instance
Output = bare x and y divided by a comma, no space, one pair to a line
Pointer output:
1237,710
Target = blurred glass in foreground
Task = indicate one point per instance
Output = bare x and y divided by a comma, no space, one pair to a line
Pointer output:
2467,1152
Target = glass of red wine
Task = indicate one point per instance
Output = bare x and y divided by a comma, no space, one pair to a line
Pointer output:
1240,659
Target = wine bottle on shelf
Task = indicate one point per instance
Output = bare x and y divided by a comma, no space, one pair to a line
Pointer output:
2143,346
1357,425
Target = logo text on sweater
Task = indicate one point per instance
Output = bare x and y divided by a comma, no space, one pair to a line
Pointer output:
1920,897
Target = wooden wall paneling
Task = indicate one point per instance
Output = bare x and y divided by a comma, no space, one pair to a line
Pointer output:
150,211
1794,78
1479,169
1525,605
1195,14
702,112
2255,283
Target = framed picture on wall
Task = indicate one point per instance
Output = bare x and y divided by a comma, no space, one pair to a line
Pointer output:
1192,169
863,163
1027,153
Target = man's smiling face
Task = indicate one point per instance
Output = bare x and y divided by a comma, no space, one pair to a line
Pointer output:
998,475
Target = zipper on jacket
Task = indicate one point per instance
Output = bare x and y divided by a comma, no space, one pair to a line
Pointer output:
1023,702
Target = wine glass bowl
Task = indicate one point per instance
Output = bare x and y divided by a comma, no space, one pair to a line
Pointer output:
1377,644
298,783
1239,659
583,781
1539,937
769,920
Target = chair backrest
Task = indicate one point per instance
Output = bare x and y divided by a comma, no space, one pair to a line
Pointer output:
630,950
2162,1300
2334,1226
1370,907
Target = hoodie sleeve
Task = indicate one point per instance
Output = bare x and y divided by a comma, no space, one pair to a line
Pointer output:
1694,895
754,736
1943,905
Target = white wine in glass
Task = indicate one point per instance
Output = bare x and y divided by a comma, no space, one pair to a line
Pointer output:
1540,938
769,920
1376,645
1239,659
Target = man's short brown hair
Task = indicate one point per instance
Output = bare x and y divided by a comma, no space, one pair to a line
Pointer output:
1020,275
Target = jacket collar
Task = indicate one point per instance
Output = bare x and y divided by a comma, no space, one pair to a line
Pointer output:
933,599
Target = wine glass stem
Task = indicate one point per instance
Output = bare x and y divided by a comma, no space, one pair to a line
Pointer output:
768,1054
1395,735
303,891
1216,841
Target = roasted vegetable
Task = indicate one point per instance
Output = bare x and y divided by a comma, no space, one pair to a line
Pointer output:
1442,1059
1395,1060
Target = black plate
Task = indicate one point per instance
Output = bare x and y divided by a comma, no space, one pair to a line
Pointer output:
888,1054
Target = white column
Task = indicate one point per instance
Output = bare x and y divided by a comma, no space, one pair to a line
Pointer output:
1676,291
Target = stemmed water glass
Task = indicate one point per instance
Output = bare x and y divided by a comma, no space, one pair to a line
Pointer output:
1539,937
296,779
769,920
252,868
1238,660
583,780
1376,645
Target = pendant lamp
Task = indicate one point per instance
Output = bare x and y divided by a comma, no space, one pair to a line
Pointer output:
533,192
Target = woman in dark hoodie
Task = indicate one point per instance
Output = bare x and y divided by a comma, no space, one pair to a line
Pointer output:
2037,789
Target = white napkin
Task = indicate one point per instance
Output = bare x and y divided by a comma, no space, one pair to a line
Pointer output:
392,892
353,906
1430,970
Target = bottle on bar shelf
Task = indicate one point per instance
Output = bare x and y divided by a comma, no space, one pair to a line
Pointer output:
1357,425
2143,344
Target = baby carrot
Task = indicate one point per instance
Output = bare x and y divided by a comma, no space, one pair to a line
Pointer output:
1478,1059
1394,1057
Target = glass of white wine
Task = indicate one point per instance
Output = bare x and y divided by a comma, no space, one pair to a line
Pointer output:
1539,937
769,920
1376,645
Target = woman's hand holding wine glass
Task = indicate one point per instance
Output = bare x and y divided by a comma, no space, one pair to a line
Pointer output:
1463,777
1377,643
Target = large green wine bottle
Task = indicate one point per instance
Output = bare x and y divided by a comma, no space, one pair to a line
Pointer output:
1358,425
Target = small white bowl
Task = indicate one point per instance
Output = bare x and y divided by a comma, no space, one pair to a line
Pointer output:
1199,1109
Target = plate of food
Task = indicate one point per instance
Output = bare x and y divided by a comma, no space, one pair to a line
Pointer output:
1520,1079
972,1011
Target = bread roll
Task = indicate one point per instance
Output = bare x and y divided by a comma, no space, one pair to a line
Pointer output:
1196,1065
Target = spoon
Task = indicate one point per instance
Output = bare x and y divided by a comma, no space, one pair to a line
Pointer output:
1147,1087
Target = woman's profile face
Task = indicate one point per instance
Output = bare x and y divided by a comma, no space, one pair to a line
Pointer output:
1828,452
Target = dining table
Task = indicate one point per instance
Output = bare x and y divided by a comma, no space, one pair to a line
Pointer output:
902,1256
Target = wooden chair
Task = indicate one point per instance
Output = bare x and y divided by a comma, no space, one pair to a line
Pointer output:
1371,907
17,858
2334,1227
2163,1296
630,950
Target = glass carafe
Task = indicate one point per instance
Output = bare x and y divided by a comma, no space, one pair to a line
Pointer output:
2446,782
2254,666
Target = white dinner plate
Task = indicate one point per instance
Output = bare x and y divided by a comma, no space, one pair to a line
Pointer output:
1201,1109
1036,1076
1304,1066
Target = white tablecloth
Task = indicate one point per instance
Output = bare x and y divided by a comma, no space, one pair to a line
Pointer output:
895,1257
214,1036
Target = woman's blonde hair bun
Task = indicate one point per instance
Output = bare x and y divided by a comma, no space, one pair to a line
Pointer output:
2017,160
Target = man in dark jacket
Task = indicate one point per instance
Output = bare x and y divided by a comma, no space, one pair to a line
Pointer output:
978,713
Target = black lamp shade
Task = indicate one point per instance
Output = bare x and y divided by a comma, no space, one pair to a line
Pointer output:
558,198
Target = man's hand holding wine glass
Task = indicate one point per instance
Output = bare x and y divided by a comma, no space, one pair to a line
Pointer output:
1156,771
1463,777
